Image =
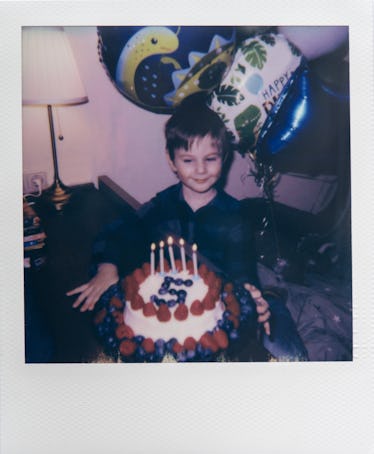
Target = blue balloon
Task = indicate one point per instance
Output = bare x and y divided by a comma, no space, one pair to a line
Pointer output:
308,122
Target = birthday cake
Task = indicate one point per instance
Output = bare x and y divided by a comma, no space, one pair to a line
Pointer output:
178,310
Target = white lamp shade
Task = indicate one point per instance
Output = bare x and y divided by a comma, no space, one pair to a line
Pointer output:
49,70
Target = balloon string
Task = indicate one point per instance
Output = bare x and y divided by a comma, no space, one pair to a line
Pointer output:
266,177
268,188
270,202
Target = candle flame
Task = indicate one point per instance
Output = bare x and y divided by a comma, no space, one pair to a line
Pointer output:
194,247
162,244
181,242
153,246
170,241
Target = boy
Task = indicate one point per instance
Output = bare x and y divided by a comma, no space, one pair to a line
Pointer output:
196,209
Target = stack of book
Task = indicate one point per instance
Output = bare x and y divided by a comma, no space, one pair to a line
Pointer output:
33,238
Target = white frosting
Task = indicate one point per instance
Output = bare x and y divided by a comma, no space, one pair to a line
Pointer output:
193,325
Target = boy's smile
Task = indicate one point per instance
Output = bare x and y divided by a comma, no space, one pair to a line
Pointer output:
198,168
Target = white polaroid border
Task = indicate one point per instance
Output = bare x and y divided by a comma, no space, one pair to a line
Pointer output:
239,408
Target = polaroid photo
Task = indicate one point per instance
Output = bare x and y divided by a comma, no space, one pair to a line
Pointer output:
192,187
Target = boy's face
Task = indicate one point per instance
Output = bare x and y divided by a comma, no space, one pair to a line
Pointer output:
200,167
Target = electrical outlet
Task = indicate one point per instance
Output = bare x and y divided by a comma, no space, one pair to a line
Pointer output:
30,179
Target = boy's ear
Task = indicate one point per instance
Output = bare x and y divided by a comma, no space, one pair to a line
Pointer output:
170,162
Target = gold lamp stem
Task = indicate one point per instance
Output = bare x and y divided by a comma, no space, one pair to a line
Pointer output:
57,193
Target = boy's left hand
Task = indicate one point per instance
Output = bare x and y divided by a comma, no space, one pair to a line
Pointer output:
262,306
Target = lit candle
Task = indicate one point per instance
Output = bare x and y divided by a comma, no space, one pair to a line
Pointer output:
183,254
162,269
153,247
194,260
171,254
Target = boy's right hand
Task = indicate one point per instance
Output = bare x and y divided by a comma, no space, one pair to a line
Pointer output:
90,293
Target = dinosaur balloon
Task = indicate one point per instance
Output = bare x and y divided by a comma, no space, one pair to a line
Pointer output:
157,67
144,43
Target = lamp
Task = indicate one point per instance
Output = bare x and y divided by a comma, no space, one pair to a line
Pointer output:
50,77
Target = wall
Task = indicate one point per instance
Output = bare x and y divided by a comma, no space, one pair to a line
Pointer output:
112,136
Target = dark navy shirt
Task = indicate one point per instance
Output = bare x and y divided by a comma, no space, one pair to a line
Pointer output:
220,229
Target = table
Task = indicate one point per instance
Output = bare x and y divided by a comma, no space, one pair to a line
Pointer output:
70,234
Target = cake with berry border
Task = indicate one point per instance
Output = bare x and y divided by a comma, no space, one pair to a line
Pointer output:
177,312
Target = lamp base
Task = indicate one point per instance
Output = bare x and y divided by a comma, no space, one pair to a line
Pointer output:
58,194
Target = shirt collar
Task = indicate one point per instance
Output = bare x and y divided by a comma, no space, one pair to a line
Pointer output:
218,200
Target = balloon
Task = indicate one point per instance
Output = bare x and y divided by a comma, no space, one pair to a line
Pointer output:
245,32
157,67
308,126
261,68
315,41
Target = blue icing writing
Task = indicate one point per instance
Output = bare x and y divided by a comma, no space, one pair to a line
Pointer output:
166,289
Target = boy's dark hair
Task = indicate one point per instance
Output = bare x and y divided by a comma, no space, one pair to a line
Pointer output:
194,119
